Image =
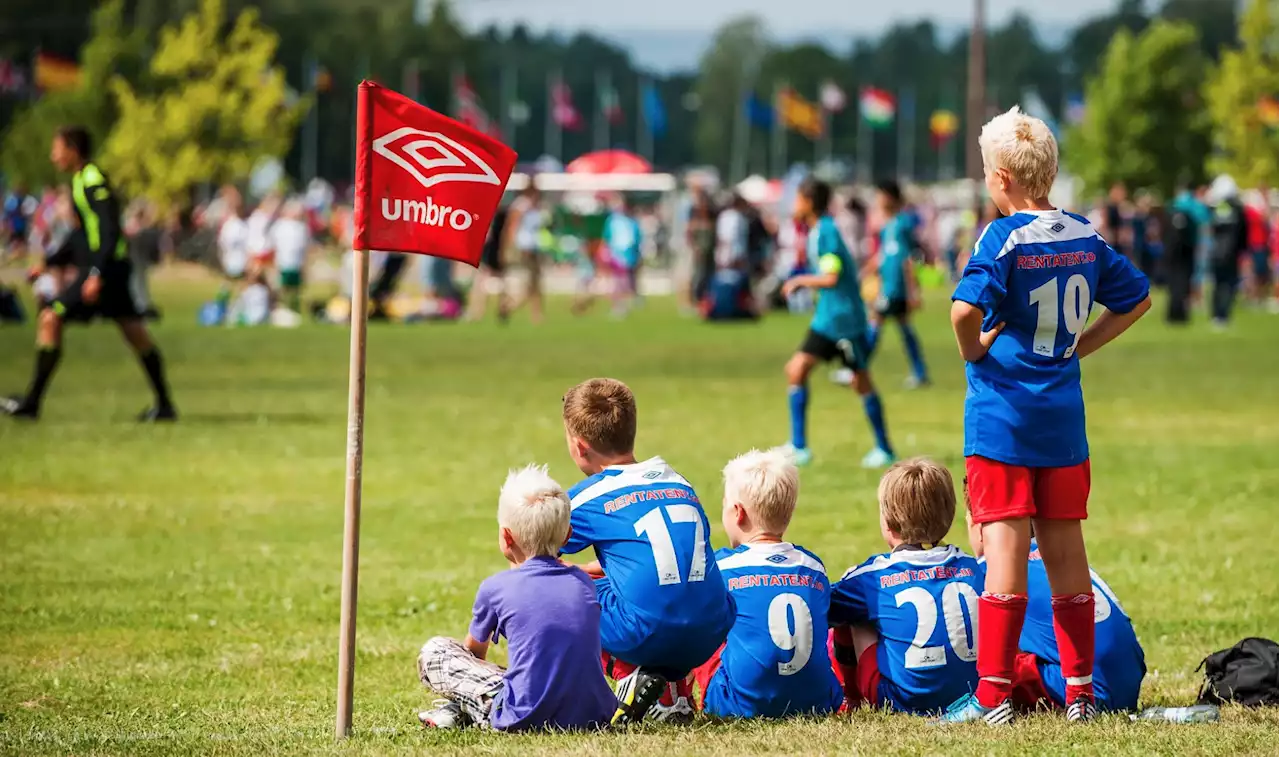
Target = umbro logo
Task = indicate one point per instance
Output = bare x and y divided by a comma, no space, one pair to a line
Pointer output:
1057,228
651,475
778,559
446,160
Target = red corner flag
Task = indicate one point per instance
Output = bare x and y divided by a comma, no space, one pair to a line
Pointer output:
424,183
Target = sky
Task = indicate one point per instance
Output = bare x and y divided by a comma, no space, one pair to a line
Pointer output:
670,34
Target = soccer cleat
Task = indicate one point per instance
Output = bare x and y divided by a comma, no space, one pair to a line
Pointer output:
967,709
842,376
915,382
1082,710
158,414
637,694
18,407
679,712
801,455
443,714
877,458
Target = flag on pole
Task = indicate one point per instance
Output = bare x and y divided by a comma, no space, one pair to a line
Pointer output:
1075,108
563,112
469,109
424,183
759,113
654,111
832,97
798,114
13,79
610,106
877,107
54,74
943,125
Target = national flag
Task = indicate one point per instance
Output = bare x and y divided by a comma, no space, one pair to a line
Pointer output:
655,113
424,183
13,78
877,106
759,113
1269,111
832,97
1075,109
943,125
469,109
54,74
321,78
799,114
610,106
563,112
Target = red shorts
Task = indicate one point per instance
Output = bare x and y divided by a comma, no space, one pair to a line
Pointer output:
1028,687
998,491
866,684
703,674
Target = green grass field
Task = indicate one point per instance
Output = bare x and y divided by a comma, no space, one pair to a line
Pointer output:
175,589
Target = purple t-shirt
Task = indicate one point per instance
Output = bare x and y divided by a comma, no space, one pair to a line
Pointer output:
549,615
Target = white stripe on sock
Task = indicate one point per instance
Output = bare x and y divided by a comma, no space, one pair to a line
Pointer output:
994,679
1080,681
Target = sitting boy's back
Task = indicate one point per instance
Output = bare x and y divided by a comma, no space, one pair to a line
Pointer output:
921,597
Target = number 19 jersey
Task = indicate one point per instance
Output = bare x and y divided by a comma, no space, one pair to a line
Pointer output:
775,661
1039,273
924,604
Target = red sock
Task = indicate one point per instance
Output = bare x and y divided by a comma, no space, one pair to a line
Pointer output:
1073,629
615,668
1000,618
845,664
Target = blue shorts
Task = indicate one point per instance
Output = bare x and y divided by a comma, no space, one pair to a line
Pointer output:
1107,695
673,649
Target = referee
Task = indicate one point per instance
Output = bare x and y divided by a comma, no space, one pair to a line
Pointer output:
101,287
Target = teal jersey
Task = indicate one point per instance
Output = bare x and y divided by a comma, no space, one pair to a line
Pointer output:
895,247
840,313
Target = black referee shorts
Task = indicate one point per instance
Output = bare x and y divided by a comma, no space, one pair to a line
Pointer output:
115,298
852,353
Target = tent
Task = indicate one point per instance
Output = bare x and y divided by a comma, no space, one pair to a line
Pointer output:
609,162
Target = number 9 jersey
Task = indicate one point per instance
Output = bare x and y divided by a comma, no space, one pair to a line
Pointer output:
1039,273
924,605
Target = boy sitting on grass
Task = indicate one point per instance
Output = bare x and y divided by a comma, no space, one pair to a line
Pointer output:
903,621
1119,664
664,609
549,614
769,666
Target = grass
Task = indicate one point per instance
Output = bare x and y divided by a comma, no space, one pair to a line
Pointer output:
175,589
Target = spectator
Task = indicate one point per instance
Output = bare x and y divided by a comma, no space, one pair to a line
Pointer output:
290,237
1230,241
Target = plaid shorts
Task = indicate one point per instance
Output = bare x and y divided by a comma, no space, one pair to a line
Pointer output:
447,668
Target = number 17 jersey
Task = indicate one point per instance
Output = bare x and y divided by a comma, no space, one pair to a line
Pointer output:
1039,273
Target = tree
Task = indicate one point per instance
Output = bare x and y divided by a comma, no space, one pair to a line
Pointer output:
726,73
1245,145
219,104
1144,123
112,49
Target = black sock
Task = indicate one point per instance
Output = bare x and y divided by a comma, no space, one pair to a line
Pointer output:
155,372
46,361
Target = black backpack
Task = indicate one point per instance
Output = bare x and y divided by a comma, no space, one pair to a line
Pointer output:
1244,674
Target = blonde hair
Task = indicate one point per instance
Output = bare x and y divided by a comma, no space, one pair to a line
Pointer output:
766,483
918,500
1025,147
535,509
602,413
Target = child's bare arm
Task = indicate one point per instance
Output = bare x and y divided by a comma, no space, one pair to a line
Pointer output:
477,648
966,321
1108,326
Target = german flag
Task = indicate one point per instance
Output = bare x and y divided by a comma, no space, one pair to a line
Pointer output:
54,74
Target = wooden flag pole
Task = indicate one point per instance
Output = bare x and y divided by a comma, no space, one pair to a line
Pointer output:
355,462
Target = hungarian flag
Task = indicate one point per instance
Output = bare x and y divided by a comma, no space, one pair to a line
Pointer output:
877,106
424,183
469,109
563,112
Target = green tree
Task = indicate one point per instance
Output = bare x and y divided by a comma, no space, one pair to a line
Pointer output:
727,71
218,105
112,49
1144,123
1246,146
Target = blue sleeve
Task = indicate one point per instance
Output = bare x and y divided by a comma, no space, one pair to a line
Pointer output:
582,534
1121,286
484,616
849,602
985,279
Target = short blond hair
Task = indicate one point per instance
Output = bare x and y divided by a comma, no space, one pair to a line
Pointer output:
1025,147
602,413
767,484
535,509
918,500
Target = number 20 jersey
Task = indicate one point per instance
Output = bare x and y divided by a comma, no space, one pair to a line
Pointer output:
924,604
1039,273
